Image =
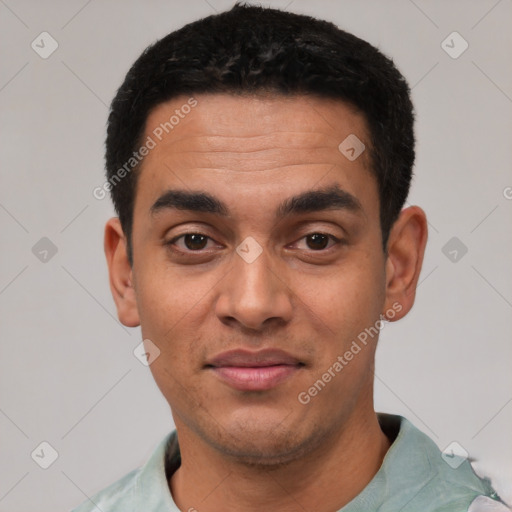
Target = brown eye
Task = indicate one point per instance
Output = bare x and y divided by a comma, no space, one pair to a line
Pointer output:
195,241
189,242
317,241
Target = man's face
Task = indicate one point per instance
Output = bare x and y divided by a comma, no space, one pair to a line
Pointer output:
318,282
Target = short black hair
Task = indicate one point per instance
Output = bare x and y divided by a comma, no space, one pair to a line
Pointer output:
253,49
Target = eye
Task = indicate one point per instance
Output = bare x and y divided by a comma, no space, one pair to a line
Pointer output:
194,242
319,241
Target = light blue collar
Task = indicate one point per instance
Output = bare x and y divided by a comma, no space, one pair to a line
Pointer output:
413,477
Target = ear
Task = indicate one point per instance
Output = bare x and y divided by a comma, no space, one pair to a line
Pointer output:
406,248
120,274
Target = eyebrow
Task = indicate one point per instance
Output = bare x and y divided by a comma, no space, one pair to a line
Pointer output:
327,198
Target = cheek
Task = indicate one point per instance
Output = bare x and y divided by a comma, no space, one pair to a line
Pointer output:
349,305
171,319
171,312
349,299
167,299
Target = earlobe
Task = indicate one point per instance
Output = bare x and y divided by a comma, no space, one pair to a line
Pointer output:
120,274
406,248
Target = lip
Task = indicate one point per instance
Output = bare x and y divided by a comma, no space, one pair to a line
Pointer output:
254,371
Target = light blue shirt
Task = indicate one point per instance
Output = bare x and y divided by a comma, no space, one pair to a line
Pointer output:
413,477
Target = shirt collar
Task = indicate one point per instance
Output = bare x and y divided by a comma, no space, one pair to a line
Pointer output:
412,462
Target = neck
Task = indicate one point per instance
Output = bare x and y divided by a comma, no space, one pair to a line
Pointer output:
324,480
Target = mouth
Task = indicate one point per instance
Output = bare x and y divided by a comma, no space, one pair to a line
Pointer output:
254,371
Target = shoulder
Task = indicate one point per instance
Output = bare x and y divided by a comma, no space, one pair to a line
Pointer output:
115,497
145,488
430,480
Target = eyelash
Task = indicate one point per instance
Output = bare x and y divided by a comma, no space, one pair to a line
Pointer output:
171,243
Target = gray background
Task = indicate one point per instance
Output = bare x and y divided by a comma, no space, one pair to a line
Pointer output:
68,375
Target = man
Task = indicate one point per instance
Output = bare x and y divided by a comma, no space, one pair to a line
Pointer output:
259,162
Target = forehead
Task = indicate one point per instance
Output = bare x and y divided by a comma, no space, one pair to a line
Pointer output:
259,146
223,122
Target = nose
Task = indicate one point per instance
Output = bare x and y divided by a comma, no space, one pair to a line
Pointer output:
254,294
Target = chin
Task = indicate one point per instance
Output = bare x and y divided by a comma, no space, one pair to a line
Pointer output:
263,442
263,453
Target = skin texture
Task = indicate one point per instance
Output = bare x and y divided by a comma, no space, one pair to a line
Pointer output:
252,450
